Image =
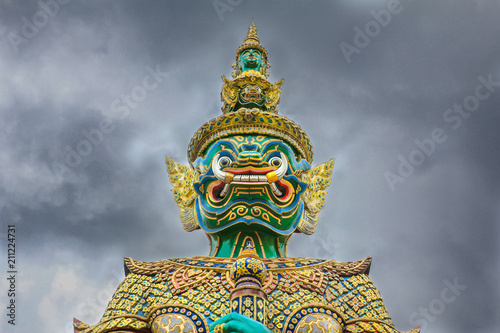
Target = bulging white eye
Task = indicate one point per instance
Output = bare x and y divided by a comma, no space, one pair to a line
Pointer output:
275,161
224,161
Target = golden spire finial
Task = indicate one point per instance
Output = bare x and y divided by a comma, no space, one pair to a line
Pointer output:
251,37
251,42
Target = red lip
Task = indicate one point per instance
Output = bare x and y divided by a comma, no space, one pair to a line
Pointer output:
250,171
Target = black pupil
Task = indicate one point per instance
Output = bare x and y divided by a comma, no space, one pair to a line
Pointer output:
224,162
276,162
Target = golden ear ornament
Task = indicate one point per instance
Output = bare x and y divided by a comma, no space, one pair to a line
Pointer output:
317,180
183,178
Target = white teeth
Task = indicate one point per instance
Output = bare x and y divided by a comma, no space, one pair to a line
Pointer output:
221,175
250,178
254,178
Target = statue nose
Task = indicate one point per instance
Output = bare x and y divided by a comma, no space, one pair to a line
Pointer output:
249,148
249,154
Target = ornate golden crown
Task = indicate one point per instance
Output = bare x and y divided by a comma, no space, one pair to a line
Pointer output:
237,119
250,121
251,42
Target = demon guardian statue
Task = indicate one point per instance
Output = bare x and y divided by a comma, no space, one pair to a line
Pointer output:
249,187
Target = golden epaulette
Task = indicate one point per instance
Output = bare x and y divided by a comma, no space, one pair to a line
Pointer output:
164,266
350,268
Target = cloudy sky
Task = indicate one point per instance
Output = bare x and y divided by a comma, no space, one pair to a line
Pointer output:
404,95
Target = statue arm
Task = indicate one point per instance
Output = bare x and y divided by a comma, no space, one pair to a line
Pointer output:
366,310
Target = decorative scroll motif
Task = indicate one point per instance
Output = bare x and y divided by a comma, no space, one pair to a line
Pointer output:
173,322
315,318
177,318
312,279
321,323
185,277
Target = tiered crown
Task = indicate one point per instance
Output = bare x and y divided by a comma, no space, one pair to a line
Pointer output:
251,42
250,107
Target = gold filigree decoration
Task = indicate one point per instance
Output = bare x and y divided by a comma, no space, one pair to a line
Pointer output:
373,325
250,81
250,121
199,288
229,93
317,180
182,178
273,94
318,323
172,322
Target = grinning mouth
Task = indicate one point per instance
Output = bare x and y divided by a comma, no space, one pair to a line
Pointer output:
249,178
272,177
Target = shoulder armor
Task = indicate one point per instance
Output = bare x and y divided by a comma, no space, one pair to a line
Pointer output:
349,268
374,325
145,267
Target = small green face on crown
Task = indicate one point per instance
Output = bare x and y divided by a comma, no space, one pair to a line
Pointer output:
249,181
250,59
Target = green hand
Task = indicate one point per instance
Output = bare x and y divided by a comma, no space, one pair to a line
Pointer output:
237,323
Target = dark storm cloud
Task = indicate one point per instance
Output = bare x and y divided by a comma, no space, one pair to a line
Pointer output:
436,227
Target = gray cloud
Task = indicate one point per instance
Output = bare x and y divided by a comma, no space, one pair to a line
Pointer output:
439,224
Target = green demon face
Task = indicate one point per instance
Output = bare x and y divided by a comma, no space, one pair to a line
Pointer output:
249,181
250,59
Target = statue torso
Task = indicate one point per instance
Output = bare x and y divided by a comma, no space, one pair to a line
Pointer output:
304,295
